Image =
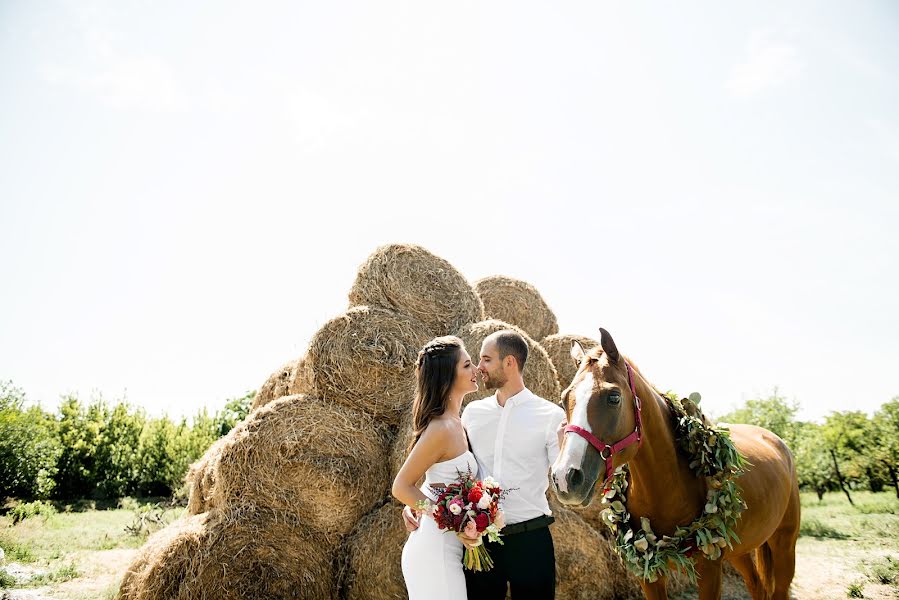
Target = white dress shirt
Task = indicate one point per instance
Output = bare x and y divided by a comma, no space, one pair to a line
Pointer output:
516,445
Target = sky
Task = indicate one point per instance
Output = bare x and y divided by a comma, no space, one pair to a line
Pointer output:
187,189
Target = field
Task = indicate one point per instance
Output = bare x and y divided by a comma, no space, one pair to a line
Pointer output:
81,552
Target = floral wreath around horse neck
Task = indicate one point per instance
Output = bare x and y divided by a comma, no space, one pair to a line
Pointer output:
712,455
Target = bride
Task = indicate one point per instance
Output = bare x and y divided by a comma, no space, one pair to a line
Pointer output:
432,559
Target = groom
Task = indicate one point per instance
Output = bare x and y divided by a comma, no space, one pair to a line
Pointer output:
515,438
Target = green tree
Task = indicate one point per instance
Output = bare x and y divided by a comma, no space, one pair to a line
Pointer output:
886,451
235,411
29,448
813,463
775,413
116,454
847,436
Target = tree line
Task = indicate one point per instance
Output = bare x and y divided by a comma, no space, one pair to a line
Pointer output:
100,450
97,449
848,451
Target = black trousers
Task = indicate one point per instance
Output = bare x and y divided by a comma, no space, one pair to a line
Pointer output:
526,563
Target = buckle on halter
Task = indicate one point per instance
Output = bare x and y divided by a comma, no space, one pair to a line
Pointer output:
609,448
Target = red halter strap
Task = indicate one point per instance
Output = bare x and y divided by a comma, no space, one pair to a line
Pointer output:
610,450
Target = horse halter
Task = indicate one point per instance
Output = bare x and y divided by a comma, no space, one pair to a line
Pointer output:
636,436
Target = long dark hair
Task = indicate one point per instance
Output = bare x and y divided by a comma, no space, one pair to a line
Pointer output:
435,372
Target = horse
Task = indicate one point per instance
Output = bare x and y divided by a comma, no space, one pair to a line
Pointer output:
609,399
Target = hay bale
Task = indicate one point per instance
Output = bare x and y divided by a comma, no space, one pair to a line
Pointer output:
240,553
294,377
372,557
620,582
373,552
161,565
365,358
252,553
558,346
539,373
411,280
304,456
517,302
201,478
587,567
399,449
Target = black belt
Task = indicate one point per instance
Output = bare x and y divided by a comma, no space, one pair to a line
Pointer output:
529,525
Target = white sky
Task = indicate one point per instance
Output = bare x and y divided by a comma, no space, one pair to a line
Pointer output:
187,189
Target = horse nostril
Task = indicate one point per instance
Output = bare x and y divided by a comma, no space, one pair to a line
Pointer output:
574,477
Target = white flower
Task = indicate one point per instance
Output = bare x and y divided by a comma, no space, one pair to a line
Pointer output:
490,483
484,502
455,509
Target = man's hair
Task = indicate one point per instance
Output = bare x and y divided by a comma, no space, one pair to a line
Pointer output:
509,342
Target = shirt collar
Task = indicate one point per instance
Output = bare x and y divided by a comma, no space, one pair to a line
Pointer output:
515,400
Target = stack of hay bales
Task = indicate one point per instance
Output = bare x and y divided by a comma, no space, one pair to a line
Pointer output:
294,502
558,347
519,303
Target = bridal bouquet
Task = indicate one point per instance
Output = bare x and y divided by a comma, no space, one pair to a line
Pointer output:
469,508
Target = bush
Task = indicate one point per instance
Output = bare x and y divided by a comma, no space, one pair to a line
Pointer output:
29,447
6,580
26,510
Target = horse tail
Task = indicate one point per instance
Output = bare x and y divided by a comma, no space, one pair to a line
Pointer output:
765,565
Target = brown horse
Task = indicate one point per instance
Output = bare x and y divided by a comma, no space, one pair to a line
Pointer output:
601,402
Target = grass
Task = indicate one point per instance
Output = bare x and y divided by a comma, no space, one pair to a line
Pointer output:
855,590
884,570
77,554
873,520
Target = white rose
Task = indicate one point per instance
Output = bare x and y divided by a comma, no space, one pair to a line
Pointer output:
490,483
455,509
484,502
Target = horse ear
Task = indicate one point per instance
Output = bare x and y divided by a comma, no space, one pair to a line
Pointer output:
577,352
608,345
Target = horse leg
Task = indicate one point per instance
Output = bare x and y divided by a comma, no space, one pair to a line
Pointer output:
710,574
782,550
656,590
750,574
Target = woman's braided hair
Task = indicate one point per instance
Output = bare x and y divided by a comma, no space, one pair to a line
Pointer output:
435,371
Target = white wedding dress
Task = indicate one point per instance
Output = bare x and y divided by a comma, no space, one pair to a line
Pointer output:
432,558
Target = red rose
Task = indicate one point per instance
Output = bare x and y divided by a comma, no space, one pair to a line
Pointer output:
475,494
482,521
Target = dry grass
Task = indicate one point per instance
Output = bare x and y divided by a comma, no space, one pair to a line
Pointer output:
201,478
558,347
365,359
302,455
372,568
241,553
294,377
517,302
409,279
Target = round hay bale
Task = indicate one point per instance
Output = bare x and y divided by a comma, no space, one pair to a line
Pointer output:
373,569
161,565
299,454
411,280
365,358
275,386
516,302
250,553
587,567
619,581
399,448
200,479
539,373
558,346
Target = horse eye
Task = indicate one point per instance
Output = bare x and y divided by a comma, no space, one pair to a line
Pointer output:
614,398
